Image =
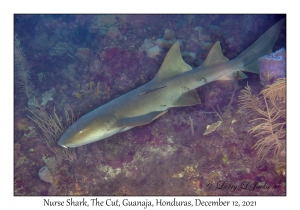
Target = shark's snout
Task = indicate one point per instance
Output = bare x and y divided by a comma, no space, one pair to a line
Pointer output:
61,142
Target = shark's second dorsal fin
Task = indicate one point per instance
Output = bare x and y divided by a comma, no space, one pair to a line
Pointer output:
173,64
215,56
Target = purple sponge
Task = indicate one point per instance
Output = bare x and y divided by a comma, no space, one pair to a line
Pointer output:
272,67
45,175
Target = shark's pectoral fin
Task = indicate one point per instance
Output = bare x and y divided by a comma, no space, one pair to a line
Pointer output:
237,75
110,122
173,64
141,120
214,57
188,98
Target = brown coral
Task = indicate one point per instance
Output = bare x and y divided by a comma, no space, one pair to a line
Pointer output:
52,128
268,112
23,74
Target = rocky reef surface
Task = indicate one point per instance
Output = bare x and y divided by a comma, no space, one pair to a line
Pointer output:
88,60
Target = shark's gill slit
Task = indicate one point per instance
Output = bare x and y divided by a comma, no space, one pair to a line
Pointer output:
201,78
186,89
149,91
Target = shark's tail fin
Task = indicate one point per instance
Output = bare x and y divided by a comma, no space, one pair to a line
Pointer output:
262,46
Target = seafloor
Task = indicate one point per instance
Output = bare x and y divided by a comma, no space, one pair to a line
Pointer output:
79,62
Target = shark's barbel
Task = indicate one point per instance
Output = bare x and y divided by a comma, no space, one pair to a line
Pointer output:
173,86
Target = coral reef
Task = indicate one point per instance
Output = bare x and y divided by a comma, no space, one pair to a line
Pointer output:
153,52
47,96
268,112
45,175
83,54
113,33
52,128
60,49
148,43
168,40
23,74
107,25
150,48
272,67
211,128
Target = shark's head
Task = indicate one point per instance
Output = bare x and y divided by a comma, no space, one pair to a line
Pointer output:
87,129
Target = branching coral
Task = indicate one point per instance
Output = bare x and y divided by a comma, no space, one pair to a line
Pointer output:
23,74
104,22
267,110
52,128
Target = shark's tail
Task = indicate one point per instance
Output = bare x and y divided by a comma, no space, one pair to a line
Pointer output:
262,46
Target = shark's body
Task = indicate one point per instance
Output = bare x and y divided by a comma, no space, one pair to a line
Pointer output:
173,86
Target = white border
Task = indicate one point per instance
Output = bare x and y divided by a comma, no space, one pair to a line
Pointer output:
8,8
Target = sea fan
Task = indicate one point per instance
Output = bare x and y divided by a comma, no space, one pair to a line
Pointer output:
52,127
251,104
276,91
23,74
24,83
268,112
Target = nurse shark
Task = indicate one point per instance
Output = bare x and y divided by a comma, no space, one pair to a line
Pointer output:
173,86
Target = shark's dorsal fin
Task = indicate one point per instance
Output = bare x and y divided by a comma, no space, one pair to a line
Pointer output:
215,56
173,64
